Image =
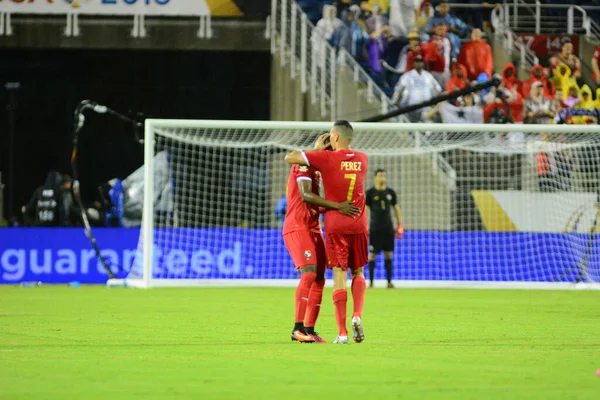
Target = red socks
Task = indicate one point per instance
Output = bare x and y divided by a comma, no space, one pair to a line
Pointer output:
315,295
340,298
359,286
302,290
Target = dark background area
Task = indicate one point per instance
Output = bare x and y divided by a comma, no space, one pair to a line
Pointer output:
158,84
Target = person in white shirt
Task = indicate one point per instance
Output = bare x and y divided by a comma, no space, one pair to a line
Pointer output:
329,23
416,86
403,16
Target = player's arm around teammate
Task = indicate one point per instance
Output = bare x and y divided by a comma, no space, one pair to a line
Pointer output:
304,241
343,172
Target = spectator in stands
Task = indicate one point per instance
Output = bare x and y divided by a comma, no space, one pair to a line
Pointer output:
329,23
403,15
596,68
465,112
572,97
545,170
378,43
342,6
357,15
562,79
409,53
313,8
476,55
480,14
558,100
567,57
510,80
538,74
509,101
456,28
384,4
405,59
537,108
459,79
438,55
424,14
376,21
415,87
586,101
350,36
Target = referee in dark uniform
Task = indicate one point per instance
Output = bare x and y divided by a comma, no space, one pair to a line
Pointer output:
382,234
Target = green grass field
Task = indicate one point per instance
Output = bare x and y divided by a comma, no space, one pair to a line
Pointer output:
99,343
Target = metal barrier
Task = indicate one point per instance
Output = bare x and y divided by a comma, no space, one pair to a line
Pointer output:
503,32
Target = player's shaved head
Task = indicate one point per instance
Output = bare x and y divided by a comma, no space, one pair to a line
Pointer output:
343,130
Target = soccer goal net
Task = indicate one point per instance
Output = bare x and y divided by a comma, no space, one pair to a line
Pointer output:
481,204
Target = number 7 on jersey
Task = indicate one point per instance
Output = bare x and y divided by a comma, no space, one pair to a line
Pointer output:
352,178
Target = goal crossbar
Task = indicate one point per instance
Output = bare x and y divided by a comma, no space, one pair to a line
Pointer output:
477,209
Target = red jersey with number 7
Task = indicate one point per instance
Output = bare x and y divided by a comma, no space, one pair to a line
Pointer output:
343,173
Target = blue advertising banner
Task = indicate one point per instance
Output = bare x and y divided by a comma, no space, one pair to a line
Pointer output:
62,255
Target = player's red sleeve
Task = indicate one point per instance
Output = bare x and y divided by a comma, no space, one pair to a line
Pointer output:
317,159
302,172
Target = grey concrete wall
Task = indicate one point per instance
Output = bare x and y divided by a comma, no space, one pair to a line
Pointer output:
115,33
586,51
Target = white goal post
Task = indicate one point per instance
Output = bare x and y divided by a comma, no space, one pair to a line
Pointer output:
484,206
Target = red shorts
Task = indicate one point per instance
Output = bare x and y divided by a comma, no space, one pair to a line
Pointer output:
347,251
306,248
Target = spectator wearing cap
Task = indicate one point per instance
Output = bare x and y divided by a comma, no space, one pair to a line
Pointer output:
403,16
437,53
415,87
567,57
538,74
537,109
476,55
405,59
456,28
409,53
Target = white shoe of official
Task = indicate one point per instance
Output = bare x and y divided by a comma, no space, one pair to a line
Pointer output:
341,340
358,334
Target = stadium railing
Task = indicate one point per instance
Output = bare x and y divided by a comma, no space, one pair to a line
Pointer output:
537,18
72,23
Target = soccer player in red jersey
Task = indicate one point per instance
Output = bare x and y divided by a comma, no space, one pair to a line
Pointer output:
304,241
343,171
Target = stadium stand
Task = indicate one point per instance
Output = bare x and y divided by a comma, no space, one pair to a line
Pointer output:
385,42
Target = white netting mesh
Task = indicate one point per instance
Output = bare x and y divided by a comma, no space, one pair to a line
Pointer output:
497,206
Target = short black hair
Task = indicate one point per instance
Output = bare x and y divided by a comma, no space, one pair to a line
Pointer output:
345,130
344,123
380,170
